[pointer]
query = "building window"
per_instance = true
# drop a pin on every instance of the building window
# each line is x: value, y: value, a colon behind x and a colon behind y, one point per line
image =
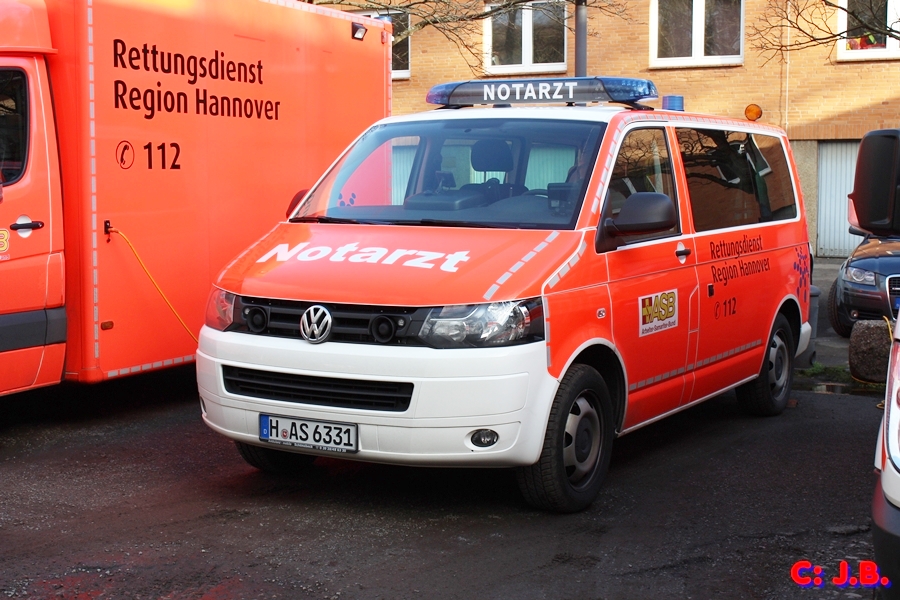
x: 531, y: 39
x: 400, y: 50
x: 859, y: 18
x: 696, y: 33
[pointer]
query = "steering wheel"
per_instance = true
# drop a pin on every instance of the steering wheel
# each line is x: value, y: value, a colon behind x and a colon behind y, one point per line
x: 537, y: 192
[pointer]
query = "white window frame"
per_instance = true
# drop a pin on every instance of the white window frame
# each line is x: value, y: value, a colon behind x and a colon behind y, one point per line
x: 527, y: 47
x: 697, y: 58
x: 404, y: 73
x: 890, y: 52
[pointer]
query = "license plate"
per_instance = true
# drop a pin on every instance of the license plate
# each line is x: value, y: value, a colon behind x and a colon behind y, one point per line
x: 307, y: 433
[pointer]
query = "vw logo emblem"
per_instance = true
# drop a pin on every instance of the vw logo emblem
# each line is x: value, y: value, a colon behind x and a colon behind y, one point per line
x: 315, y: 324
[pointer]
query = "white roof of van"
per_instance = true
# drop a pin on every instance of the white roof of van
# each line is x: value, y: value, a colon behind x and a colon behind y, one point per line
x: 601, y: 113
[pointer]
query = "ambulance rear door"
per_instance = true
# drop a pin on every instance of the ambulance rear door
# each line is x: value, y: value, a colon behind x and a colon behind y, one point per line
x: 32, y: 312
x: 745, y: 218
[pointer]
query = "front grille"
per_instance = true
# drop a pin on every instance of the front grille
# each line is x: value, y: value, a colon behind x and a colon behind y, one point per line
x: 893, y: 285
x: 321, y: 391
x: 351, y: 323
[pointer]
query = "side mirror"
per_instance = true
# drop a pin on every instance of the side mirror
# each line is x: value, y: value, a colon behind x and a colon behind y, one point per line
x: 295, y: 201
x: 643, y: 212
x: 875, y: 194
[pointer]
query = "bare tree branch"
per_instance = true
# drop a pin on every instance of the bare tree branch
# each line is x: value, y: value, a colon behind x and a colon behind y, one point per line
x: 791, y: 25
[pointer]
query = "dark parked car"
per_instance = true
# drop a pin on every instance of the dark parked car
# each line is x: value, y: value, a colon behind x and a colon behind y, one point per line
x: 868, y: 285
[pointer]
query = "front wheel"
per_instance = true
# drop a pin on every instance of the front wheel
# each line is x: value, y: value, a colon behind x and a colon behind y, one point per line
x: 577, y: 445
x: 834, y: 315
x: 767, y: 395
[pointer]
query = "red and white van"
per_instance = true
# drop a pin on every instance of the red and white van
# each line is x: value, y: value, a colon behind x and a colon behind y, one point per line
x: 515, y: 286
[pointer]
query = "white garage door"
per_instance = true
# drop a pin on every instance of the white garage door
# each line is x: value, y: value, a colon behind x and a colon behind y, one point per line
x: 837, y: 163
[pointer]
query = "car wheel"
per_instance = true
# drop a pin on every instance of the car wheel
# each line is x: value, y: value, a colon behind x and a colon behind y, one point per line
x: 274, y: 461
x: 577, y: 445
x: 834, y: 316
x: 767, y: 395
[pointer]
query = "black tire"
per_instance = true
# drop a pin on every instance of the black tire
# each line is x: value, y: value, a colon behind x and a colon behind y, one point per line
x: 834, y: 316
x: 767, y: 395
x: 274, y: 461
x: 577, y: 446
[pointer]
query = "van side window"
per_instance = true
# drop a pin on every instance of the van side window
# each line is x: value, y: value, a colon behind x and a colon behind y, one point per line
x: 642, y: 165
x: 13, y: 124
x: 735, y: 178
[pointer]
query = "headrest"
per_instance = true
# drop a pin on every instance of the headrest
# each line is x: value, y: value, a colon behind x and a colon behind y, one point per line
x: 492, y: 155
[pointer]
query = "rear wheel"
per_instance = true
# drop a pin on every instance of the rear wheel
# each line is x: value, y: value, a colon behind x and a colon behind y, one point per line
x: 274, y: 461
x: 577, y: 445
x: 834, y: 316
x: 767, y: 395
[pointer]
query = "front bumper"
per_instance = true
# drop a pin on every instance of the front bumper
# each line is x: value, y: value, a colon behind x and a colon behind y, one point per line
x: 870, y: 302
x: 455, y: 392
x: 886, y: 536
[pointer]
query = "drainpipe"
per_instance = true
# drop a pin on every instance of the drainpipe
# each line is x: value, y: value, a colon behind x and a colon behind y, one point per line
x: 580, y: 38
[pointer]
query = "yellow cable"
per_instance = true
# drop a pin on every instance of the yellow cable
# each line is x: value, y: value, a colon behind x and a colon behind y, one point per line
x: 153, y: 281
x: 890, y: 329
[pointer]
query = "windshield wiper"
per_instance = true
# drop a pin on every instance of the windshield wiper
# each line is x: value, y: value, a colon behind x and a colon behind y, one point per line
x: 443, y: 223
x: 324, y: 219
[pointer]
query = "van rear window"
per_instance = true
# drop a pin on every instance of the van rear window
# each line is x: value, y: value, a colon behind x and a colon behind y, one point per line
x: 13, y: 125
x: 735, y: 178
x: 510, y: 173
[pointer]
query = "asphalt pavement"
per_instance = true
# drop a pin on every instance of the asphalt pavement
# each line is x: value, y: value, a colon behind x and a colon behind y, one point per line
x: 831, y: 349
x: 120, y: 491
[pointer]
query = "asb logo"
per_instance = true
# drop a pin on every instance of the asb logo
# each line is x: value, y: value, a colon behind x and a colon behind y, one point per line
x: 659, y: 312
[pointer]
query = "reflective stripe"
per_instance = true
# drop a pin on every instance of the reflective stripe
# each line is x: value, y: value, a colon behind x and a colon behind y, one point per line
x: 692, y: 366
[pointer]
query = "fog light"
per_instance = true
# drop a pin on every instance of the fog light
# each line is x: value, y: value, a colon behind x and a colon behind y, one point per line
x: 256, y: 319
x: 484, y: 438
x: 854, y: 314
x: 383, y: 329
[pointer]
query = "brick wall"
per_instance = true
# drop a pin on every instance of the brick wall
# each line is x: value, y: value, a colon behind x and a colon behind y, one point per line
x: 813, y: 96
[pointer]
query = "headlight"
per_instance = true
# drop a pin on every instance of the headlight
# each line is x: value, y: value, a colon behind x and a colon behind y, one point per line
x: 484, y: 325
x: 860, y: 276
x: 220, y: 309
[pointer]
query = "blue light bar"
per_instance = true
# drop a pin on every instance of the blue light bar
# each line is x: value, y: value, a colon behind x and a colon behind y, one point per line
x: 554, y: 90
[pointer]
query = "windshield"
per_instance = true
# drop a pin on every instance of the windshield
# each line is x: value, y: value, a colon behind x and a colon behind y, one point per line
x: 510, y: 173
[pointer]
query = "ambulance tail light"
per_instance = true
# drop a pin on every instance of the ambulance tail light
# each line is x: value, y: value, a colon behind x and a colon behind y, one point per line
x: 484, y: 325
x: 892, y: 407
x: 220, y: 310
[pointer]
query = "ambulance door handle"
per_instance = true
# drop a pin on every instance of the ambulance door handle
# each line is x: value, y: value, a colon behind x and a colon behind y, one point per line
x: 682, y: 252
x: 31, y: 225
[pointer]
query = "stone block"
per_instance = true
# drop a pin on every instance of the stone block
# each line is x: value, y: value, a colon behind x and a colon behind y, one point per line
x: 870, y: 349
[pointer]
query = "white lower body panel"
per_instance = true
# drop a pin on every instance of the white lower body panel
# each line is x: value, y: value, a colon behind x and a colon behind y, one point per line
x: 803, y: 342
x: 455, y: 392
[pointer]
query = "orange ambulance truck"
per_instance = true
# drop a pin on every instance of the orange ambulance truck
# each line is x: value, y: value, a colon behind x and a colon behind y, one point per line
x: 515, y: 286
x: 181, y: 129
